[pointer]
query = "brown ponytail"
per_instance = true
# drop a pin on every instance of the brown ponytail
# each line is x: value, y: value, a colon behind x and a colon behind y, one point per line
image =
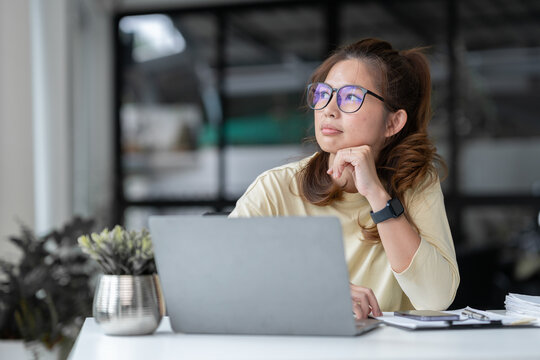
x: 407, y: 158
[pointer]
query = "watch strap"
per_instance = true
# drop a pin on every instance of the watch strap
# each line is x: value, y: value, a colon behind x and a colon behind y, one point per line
x: 393, y: 209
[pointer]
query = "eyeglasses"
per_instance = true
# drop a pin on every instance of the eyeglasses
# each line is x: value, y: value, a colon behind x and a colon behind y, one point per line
x: 349, y: 97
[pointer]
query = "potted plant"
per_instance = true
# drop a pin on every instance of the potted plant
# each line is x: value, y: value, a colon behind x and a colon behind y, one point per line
x: 46, y: 295
x: 128, y: 298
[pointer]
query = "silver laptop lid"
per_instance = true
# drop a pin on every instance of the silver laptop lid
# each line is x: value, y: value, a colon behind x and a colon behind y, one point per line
x: 281, y: 275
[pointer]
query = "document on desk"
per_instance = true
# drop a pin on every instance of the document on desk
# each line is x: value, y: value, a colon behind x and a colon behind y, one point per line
x: 523, y: 305
x: 481, y: 319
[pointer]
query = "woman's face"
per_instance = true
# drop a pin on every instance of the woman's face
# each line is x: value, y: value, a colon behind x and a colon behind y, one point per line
x: 334, y: 129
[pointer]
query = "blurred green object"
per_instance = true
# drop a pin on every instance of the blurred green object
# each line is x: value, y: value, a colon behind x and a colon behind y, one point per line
x: 47, y: 295
x: 263, y: 129
x: 121, y: 252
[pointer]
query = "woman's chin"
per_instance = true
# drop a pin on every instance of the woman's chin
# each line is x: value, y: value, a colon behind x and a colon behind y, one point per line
x: 332, y: 148
x: 328, y: 149
x: 327, y: 146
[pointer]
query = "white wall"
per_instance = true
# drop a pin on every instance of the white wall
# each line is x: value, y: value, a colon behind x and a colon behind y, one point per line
x: 16, y: 150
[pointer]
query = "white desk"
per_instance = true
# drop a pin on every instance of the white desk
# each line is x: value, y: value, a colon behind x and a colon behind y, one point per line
x: 383, y: 343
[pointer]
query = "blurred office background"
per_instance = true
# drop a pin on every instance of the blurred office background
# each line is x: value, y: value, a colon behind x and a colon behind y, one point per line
x: 120, y: 109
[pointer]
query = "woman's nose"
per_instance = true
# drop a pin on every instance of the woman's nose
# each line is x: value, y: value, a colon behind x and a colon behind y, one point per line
x: 332, y: 109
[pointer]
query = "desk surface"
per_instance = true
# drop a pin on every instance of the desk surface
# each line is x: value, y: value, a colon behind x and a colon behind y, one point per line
x: 383, y: 343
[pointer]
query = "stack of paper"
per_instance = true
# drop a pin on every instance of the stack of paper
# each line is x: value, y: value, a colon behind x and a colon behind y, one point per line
x: 523, y: 305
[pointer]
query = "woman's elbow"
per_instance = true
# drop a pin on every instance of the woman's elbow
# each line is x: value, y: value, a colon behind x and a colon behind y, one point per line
x: 439, y: 299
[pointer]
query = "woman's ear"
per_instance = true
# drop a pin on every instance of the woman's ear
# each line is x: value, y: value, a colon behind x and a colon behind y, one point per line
x: 396, y: 122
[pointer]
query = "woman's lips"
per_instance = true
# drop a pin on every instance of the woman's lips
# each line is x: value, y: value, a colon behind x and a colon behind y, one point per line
x: 327, y: 130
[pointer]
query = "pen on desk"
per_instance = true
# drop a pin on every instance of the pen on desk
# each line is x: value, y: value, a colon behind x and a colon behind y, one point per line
x: 474, y: 315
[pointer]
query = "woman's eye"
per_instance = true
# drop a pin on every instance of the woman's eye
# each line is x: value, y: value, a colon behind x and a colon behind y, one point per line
x: 323, y: 95
x: 352, y: 97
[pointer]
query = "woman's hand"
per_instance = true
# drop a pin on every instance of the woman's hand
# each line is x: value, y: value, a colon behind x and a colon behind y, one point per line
x: 361, y: 162
x: 364, y: 302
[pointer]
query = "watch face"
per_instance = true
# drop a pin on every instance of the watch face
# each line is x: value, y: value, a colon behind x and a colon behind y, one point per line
x: 396, y: 207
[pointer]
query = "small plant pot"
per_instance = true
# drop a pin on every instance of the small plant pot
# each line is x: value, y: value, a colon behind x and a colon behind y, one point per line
x: 128, y: 305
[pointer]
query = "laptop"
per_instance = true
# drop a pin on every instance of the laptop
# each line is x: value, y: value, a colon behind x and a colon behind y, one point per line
x: 258, y: 276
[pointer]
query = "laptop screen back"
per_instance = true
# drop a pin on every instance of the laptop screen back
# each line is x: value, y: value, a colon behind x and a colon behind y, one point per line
x: 281, y: 275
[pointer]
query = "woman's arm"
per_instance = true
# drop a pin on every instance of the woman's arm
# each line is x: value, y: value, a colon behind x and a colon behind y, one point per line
x: 424, y: 264
x: 399, y: 239
x: 432, y: 278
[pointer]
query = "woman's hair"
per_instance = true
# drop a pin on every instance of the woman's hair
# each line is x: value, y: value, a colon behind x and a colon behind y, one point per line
x: 407, y: 159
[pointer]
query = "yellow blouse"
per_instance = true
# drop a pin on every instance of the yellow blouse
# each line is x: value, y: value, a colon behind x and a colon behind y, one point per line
x: 432, y: 278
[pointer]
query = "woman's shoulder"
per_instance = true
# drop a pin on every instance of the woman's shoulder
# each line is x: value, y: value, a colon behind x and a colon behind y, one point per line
x: 268, y: 192
x: 286, y: 171
x: 280, y: 176
x: 427, y: 189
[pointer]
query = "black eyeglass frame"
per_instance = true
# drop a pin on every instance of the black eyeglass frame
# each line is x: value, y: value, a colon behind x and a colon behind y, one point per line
x: 336, y: 90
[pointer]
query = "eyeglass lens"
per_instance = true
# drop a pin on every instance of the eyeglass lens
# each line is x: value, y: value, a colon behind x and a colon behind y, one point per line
x: 349, y: 98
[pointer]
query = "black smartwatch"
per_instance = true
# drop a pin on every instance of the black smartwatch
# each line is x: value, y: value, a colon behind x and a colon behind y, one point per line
x: 392, y: 210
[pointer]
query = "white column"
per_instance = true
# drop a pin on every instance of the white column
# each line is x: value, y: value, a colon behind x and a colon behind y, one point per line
x: 51, y: 113
x: 16, y: 150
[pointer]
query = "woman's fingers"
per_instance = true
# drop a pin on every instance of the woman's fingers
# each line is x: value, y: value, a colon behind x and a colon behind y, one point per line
x: 359, y: 161
x: 365, y: 299
x: 345, y: 158
x: 362, y: 305
x: 375, y: 309
x: 359, y: 313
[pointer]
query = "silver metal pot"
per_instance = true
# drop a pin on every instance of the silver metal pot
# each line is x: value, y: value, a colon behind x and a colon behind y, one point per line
x: 128, y: 305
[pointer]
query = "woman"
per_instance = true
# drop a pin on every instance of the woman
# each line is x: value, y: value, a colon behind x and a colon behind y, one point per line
x: 376, y: 171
